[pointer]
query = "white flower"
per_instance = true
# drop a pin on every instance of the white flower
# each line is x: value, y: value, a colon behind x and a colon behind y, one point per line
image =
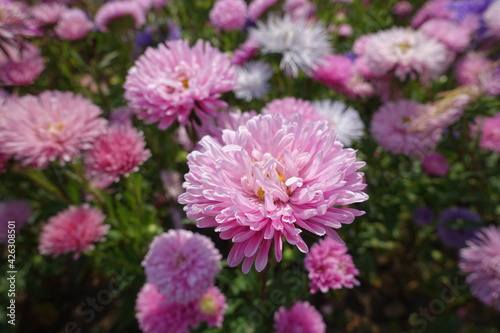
x: 344, y: 120
x: 302, y: 43
x: 253, y: 80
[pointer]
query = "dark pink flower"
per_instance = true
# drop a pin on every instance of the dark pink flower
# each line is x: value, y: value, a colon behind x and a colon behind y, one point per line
x: 301, y: 318
x: 435, y: 164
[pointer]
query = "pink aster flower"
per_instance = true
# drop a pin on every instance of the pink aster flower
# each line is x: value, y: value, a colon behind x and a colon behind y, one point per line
x: 14, y: 210
x: 229, y: 14
x: 258, y: 7
x: 335, y: 71
x: 75, y: 229
x: 182, y: 264
x: 156, y: 314
x: 359, y: 46
x: 402, y: 8
x: 52, y: 126
x: 489, y: 128
x: 471, y: 68
x: 16, y: 20
x: 432, y: 9
x: 171, y: 81
x: 120, y: 15
x: 455, y: 36
x: 291, y: 106
x: 48, y: 13
x: 301, y: 318
x: 212, y: 307
x: 73, y: 25
x: 300, y: 9
x: 118, y: 152
x: 480, y: 260
x: 407, y: 53
x: 20, y: 64
x: 491, y: 21
x: 390, y: 127
x: 344, y: 30
x: 272, y: 178
x: 246, y: 51
x: 224, y: 120
x: 330, y: 266
x: 435, y: 164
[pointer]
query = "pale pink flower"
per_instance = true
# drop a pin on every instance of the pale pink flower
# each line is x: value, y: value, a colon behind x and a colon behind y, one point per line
x: 471, y: 67
x: 182, y: 264
x: 300, y: 9
x: 289, y: 107
x: 17, y: 211
x: 435, y: 164
x: 229, y: 14
x: 73, y: 25
x: 344, y: 30
x: 170, y: 82
x: 402, y: 8
x: 359, y: 46
x: 225, y: 120
x: 212, y: 307
x: 432, y: 9
x: 257, y: 7
x: 52, y: 126
x: 120, y: 14
x: 272, y: 178
x: 20, y: 64
x: 330, y: 266
x: 453, y: 35
x: 491, y: 19
x: 301, y: 318
x: 48, y: 13
x: 75, y: 229
x: 489, y: 132
x: 16, y: 21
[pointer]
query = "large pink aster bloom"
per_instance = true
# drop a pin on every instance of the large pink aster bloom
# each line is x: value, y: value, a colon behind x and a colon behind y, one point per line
x: 53, y: 126
x: 118, y: 152
x: 171, y: 81
x: 390, y: 126
x: 229, y: 14
x: 156, y: 314
x: 272, y: 178
x: 20, y: 64
x: 301, y: 318
x: 291, y: 106
x: 489, y: 128
x: 406, y: 52
x: 182, y: 264
x: 330, y: 266
x: 73, y: 25
x: 14, y: 210
x: 123, y: 14
x: 212, y: 307
x: 75, y: 229
x: 480, y: 260
x: 455, y: 36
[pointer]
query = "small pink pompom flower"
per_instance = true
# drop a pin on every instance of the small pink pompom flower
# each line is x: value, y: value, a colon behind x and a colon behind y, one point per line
x: 169, y: 82
x: 14, y: 210
x: 301, y: 318
x: 20, y: 64
x: 156, y: 314
x: 330, y: 266
x: 435, y: 164
x: 75, y: 229
x: 480, y: 260
x: 229, y: 14
x: 291, y: 106
x: 120, y: 13
x: 455, y: 36
x: 212, y: 307
x: 489, y: 128
x: 118, y: 152
x: 271, y: 179
x: 53, y: 126
x: 73, y: 25
x: 471, y: 68
x: 182, y: 264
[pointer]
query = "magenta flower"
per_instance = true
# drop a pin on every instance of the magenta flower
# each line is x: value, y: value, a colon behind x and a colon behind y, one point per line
x: 118, y: 152
x: 402, y: 8
x: 156, y: 314
x: 182, y: 264
x: 301, y: 318
x: 335, y: 71
x: 272, y: 178
x: 169, y: 82
x: 16, y: 20
x: 75, y: 229
x: 330, y: 266
x: 291, y: 106
x: 489, y: 128
x: 14, y: 210
x: 20, y: 64
x: 480, y: 260
x: 212, y: 307
x: 229, y: 14
x: 246, y: 51
x: 52, y: 126
x: 120, y: 14
x: 73, y: 25
x: 390, y: 126
x: 435, y: 164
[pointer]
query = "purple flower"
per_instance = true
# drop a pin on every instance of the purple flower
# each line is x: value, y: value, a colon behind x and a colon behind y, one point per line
x: 423, y: 216
x: 453, y: 235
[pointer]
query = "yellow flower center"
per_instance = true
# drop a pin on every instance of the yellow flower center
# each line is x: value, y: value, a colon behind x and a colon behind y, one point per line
x: 207, y: 305
x: 404, y: 46
x: 55, y: 128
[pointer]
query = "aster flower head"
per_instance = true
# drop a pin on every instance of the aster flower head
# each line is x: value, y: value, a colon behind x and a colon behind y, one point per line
x: 118, y: 152
x: 390, y: 126
x: 402, y: 8
x: 450, y: 229
x: 455, y: 36
x: 435, y: 164
x: 300, y: 9
x: 16, y: 20
x: 212, y: 307
x: 330, y: 266
x: 432, y: 9
x: 20, y: 64
x: 246, y: 51
x: 156, y: 314
x: 53, y: 126
x: 120, y: 15
x: 491, y: 21
x: 182, y: 265
x: 301, y: 43
x: 289, y: 107
x: 75, y: 229
x: 406, y: 52
x: 472, y: 67
x: 272, y: 178
x: 73, y: 24
x: 335, y: 71
x: 253, y: 80
x: 231, y: 119
x: 489, y: 130
x: 18, y: 211
x: 169, y: 82
x: 302, y: 317
x: 480, y: 260
x: 344, y: 120
x: 257, y: 7
x: 229, y: 14
x: 48, y: 13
